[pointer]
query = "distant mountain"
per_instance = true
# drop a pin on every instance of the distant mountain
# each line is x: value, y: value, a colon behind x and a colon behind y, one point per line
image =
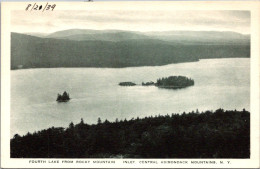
x: 101, y: 36
x: 189, y: 37
x: 41, y: 35
x: 113, y: 49
x: 70, y: 32
x: 212, y: 37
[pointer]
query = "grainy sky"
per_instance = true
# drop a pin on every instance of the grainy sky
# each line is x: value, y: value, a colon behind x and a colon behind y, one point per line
x: 133, y: 20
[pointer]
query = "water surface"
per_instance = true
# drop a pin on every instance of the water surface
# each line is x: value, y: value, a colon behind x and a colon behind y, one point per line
x: 219, y: 83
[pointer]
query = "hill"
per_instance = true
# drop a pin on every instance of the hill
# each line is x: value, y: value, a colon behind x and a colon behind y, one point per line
x: 171, y: 36
x: 190, y: 37
x: 70, y: 32
x: 201, y: 37
x: 127, y: 49
x: 106, y: 35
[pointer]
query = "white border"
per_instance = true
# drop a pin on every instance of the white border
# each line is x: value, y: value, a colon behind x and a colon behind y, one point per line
x: 252, y: 6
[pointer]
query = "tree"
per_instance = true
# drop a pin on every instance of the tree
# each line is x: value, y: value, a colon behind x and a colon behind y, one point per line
x: 81, y: 121
x: 71, y: 126
x: 99, y: 121
x: 16, y: 136
x: 106, y: 121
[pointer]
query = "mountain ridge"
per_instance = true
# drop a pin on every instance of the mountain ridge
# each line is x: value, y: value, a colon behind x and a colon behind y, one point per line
x: 180, y: 36
x: 28, y: 51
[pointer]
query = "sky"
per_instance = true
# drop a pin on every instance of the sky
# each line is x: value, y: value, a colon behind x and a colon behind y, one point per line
x: 132, y: 20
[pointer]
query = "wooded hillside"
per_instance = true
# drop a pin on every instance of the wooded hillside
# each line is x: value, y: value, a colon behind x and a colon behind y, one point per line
x: 218, y: 134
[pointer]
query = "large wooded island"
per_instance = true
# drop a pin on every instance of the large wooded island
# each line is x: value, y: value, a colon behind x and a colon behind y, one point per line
x: 174, y: 82
x: 171, y: 82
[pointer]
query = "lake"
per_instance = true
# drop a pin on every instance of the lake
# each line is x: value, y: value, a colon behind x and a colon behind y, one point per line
x: 219, y: 83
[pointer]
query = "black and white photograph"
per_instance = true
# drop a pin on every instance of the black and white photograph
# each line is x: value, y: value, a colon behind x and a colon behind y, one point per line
x: 125, y: 82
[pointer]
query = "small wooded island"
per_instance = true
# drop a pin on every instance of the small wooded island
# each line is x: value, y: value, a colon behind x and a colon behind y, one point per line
x: 127, y: 84
x: 63, y: 98
x: 171, y: 82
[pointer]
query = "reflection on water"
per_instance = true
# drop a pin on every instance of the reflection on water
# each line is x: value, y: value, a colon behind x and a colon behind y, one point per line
x: 95, y: 92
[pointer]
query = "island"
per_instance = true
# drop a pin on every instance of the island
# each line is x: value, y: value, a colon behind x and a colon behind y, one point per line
x: 127, y: 84
x: 63, y: 98
x: 171, y: 82
x: 174, y: 82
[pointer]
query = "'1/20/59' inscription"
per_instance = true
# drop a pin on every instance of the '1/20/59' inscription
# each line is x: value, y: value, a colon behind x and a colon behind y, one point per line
x: 37, y: 7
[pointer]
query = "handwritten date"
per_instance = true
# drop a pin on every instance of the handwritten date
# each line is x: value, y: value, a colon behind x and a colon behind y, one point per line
x: 39, y: 7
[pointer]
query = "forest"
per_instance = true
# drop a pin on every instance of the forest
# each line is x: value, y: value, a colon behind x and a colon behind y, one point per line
x: 174, y: 82
x: 209, y: 134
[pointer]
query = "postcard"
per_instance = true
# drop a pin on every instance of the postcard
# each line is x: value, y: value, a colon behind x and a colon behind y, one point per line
x: 130, y: 84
